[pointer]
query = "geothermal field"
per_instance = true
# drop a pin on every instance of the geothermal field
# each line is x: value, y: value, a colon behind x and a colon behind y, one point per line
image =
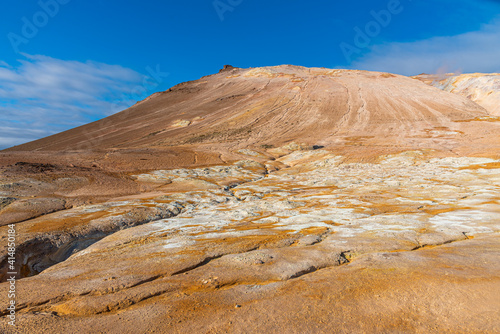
x: 277, y: 199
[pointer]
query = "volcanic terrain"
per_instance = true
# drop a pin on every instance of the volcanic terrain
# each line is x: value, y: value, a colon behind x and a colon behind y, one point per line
x: 265, y: 200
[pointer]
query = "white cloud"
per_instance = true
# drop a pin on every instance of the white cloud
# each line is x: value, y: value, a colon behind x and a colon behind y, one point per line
x: 42, y: 95
x: 477, y: 51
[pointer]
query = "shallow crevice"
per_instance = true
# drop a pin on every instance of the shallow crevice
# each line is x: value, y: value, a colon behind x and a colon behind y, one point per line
x: 197, y: 265
x: 39, y: 253
x: 422, y: 246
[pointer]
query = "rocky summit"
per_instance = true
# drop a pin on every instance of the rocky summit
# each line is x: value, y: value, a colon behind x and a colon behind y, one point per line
x: 265, y: 200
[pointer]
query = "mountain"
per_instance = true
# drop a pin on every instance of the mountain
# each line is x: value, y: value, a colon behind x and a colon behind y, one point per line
x: 273, y: 106
x: 484, y: 89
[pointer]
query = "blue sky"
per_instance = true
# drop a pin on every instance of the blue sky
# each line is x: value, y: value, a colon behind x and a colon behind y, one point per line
x: 64, y: 63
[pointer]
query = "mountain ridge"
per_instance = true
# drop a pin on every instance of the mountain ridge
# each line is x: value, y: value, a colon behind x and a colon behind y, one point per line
x: 238, y: 108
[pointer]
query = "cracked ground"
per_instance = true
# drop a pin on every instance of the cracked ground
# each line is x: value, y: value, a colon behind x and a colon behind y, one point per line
x: 405, y: 243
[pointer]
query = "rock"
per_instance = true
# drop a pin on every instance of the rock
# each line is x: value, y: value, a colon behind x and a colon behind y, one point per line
x: 24, y: 209
x: 4, y: 201
x: 227, y: 68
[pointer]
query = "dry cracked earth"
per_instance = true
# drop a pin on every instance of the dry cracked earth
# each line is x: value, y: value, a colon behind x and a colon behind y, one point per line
x: 236, y: 232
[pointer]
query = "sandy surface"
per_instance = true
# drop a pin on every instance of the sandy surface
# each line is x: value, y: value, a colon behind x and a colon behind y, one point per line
x: 276, y: 200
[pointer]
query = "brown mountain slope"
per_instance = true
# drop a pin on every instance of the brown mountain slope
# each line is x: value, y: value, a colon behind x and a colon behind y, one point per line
x: 273, y: 106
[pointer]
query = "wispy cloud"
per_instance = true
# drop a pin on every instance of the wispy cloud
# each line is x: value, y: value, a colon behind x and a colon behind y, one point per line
x: 477, y: 51
x: 40, y: 95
